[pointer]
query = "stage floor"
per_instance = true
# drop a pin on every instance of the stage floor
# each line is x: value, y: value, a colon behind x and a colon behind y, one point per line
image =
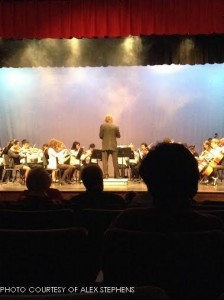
x: 10, y: 191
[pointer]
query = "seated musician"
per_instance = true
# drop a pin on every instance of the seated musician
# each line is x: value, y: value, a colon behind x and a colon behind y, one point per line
x: 133, y: 160
x: 76, y: 152
x: 26, y: 150
x: 218, y: 155
x: 75, y: 158
x: 206, y: 148
x: 204, y: 159
x: 25, y: 144
x: 86, y: 157
x: 57, y: 159
x: 143, y: 151
x: 45, y: 155
x: 7, y: 147
x: 16, y: 155
x: 213, y: 156
x: 33, y: 155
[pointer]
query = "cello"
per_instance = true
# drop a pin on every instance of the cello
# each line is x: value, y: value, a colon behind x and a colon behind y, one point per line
x: 205, y: 157
x: 216, y: 156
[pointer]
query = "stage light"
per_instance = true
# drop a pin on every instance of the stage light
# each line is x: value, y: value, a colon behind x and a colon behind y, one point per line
x: 129, y: 43
x: 131, y: 50
x: 75, y: 46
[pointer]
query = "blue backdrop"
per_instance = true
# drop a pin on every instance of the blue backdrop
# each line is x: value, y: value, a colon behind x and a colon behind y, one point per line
x: 149, y: 103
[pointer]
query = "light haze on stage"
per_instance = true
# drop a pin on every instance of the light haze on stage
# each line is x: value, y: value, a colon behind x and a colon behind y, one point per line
x: 149, y: 103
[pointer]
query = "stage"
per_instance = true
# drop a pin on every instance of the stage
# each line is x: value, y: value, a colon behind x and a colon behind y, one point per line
x: 10, y: 191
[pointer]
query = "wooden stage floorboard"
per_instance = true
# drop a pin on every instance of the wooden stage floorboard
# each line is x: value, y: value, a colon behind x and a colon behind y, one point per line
x: 10, y: 191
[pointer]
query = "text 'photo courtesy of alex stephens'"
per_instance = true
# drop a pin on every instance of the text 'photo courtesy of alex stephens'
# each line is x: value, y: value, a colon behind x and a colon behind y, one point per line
x: 4, y: 290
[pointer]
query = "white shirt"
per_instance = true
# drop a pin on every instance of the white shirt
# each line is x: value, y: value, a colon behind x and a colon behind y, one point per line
x: 52, y: 160
x: 73, y: 160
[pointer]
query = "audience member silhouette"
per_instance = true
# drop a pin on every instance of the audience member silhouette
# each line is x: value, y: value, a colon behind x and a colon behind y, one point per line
x: 95, y: 196
x: 171, y: 174
x: 39, y: 193
x: 139, y: 199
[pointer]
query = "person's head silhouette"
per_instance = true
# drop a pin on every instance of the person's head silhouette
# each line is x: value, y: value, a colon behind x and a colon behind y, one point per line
x: 171, y: 174
x: 92, y: 177
x: 38, y: 180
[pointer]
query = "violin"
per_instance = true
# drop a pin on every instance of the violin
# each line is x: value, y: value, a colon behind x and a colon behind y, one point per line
x: 29, y: 151
x: 16, y: 149
x: 64, y: 156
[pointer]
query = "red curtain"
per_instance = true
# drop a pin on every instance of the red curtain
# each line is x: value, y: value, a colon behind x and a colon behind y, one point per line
x: 112, y: 18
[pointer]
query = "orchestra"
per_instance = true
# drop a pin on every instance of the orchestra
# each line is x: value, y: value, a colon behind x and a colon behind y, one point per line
x: 55, y: 156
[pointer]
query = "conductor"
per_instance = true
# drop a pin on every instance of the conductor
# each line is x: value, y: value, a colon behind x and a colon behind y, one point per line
x: 109, y: 133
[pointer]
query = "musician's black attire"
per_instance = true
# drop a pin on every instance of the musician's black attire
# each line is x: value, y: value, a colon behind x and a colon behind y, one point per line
x: 109, y: 134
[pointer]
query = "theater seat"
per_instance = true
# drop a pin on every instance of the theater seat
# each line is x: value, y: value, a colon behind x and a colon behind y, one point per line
x: 58, y: 257
x: 97, y: 221
x: 36, y: 219
x: 186, y: 265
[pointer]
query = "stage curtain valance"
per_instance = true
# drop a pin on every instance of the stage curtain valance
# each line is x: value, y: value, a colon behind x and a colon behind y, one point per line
x: 109, y: 18
x: 130, y: 51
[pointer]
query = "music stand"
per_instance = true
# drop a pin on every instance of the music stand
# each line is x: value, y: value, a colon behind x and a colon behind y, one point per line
x: 96, y: 154
x: 123, y: 152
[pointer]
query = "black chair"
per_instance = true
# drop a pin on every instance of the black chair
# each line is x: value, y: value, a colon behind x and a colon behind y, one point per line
x: 9, y: 169
x: 36, y: 219
x: 58, y: 257
x: 96, y: 222
x: 98, y: 219
x: 216, y: 212
x: 186, y: 265
x: 209, y: 203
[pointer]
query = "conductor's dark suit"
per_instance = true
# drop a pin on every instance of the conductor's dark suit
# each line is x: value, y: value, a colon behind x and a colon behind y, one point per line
x: 109, y: 134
